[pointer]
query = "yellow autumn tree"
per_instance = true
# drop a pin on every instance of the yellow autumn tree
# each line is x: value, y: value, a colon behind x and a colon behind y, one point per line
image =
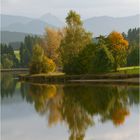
x: 118, y: 46
x: 52, y: 40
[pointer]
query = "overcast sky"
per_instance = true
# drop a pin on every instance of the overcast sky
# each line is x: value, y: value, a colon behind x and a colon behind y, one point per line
x: 86, y: 8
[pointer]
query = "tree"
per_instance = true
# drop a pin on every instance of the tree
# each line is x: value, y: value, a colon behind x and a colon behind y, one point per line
x: 133, y: 36
x: 96, y: 58
x: 6, y: 61
x: 26, y: 49
x: 118, y: 46
x: 8, y: 57
x: 40, y: 63
x: 103, y: 61
x: 75, y: 39
x: 52, y: 40
x: 133, y: 57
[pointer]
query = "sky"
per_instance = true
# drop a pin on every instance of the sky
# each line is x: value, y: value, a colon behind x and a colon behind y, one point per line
x: 59, y: 8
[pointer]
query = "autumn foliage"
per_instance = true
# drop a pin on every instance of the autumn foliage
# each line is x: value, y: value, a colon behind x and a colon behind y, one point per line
x: 73, y: 49
x: 51, y: 42
x: 119, y: 116
x: 117, y: 41
x: 118, y: 46
x: 40, y: 63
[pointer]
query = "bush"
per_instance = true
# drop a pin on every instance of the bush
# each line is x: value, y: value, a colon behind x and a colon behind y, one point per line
x: 48, y: 65
x: 103, y: 61
x: 92, y: 59
x: 74, y: 66
x: 41, y: 63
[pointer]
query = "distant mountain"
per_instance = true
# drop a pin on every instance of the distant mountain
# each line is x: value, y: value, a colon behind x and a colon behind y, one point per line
x: 97, y: 25
x: 104, y: 24
x: 53, y: 20
x: 29, y: 25
x: 34, y: 26
x: 12, y: 37
x: 7, y: 20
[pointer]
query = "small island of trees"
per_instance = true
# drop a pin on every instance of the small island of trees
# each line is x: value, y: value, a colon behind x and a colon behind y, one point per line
x: 73, y: 50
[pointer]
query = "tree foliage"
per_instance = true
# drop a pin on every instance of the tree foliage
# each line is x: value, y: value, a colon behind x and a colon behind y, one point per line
x: 8, y: 57
x: 133, y: 36
x: 75, y: 39
x: 133, y: 57
x: 26, y: 49
x: 40, y: 63
x: 118, y: 46
x: 52, y: 39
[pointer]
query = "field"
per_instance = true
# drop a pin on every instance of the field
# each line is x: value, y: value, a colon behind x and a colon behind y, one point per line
x: 129, y: 70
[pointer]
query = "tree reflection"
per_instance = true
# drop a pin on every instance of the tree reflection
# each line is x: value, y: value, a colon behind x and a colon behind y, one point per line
x: 78, y: 105
x: 8, y: 84
x: 75, y: 105
x: 47, y: 99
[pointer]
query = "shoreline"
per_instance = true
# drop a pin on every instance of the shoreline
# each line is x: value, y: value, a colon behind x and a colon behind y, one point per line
x: 86, y: 78
x: 14, y: 70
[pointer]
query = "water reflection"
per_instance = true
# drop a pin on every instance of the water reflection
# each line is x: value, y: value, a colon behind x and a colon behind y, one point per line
x: 77, y: 105
x: 8, y: 85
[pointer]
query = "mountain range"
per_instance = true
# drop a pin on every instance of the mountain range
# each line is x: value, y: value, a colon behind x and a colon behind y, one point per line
x: 102, y: 25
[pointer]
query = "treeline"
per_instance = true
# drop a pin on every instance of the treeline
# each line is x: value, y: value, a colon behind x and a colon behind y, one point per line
x: 26, y: 49
x: 133, y: 37
x: 8, y: 57
x: 73, y: 50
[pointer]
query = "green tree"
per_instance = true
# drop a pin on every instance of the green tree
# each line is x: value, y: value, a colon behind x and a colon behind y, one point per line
x: 26, y: 49
x: 133, y: 57
x: 8, y: 57
x: 103, y: 61
x: 132, y: 37
x: 6, y: 61
x: 75, y: 38
x: 96, y: 58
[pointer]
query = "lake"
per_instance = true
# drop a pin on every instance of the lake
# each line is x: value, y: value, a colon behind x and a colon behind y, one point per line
x: 68, y: 112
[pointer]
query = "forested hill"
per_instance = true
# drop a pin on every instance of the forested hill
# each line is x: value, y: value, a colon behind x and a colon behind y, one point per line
x: 7, y: 37
x: 13, y: 37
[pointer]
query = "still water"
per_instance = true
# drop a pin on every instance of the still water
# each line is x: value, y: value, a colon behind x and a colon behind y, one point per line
x: 68, y: 112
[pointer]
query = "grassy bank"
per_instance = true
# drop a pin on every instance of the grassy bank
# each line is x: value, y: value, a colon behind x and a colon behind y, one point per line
x: 129, y: 70
x: 123, y: 74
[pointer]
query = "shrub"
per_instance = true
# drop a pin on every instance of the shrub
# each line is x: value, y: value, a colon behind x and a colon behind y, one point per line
x: 40, y: 63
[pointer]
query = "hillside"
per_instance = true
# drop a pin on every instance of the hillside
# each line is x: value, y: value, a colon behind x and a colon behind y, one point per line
x: 7, y: 37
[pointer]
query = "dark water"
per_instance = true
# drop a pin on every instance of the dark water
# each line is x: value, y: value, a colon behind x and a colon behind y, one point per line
x: 68, y: 112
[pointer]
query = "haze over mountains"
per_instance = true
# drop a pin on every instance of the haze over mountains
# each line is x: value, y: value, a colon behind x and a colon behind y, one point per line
x: 97, y: 25
x: 104, y: 24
